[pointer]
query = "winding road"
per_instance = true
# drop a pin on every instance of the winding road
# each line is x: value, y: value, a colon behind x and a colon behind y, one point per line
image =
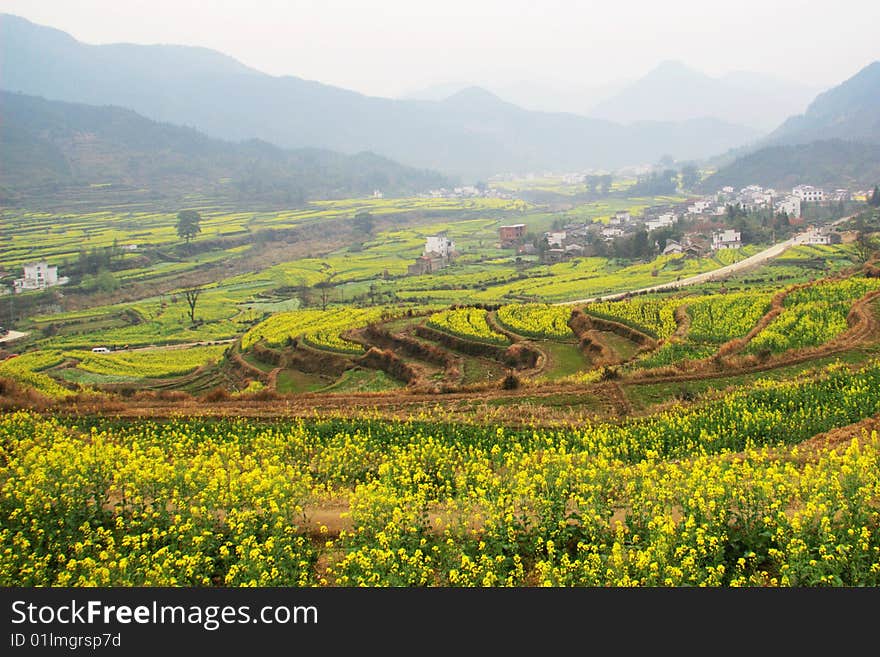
x: 723, y: 272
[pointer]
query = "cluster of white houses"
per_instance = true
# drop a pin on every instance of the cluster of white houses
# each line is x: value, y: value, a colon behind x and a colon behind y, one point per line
x: 467, y: 191
x: 709, y: 208
x: 754, y: 197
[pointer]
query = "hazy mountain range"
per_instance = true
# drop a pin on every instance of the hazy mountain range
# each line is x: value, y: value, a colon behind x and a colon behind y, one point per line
x: 675, y: 92
x: 51, y: 146
x: 535, y: 95
x: 671, y: 91
x: 470, y: 133
x: 473, y: 133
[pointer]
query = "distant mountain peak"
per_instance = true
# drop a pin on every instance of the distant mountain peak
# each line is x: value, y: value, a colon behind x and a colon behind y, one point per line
x: 475, y: 96
x: 674, y: 67
x: 673, y: 91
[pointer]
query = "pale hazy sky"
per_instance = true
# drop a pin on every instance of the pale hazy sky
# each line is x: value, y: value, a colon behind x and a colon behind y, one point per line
x: 391, y: 47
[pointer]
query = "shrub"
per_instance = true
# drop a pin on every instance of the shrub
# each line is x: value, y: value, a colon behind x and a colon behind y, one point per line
x: 510, y: 382
x: 218, y: 394
x: 609, y: 373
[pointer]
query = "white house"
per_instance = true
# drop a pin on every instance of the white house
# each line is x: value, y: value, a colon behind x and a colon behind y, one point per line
x: 610, y: 233
x: 820, y: 236
x: 38, y: 276
x: 699, y: 207
x: 663, y: 221
x: 790, y: 206
x: 439, y: 244
x: 808, y: 193
x: 556, y: 238
x: 726, y: 239
x: 620, y: 218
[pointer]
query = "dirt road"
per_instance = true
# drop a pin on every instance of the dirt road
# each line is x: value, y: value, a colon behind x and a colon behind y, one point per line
x: 705, y: 277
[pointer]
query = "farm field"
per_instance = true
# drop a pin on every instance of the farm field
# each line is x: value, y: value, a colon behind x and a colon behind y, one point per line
x: 58, y: 236
x: 331, y: 420
x: 723, y: 494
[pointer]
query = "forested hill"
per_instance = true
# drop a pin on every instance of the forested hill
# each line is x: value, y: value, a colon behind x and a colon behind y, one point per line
x: 833, y: 163
x: 851, y: 110
x: 50, y: 146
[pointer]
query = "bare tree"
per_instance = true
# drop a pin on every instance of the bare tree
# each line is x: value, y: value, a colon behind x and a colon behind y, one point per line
x: 192, y: 296
x: 324, y: 288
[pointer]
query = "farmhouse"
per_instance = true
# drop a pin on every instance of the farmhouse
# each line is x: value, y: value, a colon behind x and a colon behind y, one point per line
x: 790, y: 206
x: 38, y: 276
x: 556, y: 239
x: 510, y: 235
x: 821, y: 236
x: 426, y: 264
x: 611, y: 233
x: 808, y: 193
x: 702, y: 206
x: 726, y: 239
x: 555, y: 255
x: 663, y: 221
x: 673, y: 247
x: 439, y: 244
x: 439, y: 252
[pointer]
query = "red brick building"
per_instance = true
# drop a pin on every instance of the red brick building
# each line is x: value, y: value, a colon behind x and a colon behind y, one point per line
x: 511, y: 235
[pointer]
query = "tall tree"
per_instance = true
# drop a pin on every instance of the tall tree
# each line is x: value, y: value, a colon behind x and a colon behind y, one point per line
x: 874, y: 198
x: 363, y: 221
x: 188, y: 224
x: 864, y: 244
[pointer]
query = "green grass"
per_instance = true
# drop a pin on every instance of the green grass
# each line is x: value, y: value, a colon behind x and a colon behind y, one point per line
x: 293, y: 381
x: 90, y: 378
x: 481, y: 370
x: 561, y: 401
x: 260, y: 365
x: 360, y: 380
x: 564, y: 358
x: 624, y: 348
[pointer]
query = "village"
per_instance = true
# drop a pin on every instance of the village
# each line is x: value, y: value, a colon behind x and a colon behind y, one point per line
x: 694, y: 228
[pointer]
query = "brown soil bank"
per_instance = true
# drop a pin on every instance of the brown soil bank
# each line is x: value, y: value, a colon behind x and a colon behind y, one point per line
x: 519, y: 355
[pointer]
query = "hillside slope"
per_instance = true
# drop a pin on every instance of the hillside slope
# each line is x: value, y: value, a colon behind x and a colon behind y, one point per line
x: 831, y: 164
x: 49, y: 145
